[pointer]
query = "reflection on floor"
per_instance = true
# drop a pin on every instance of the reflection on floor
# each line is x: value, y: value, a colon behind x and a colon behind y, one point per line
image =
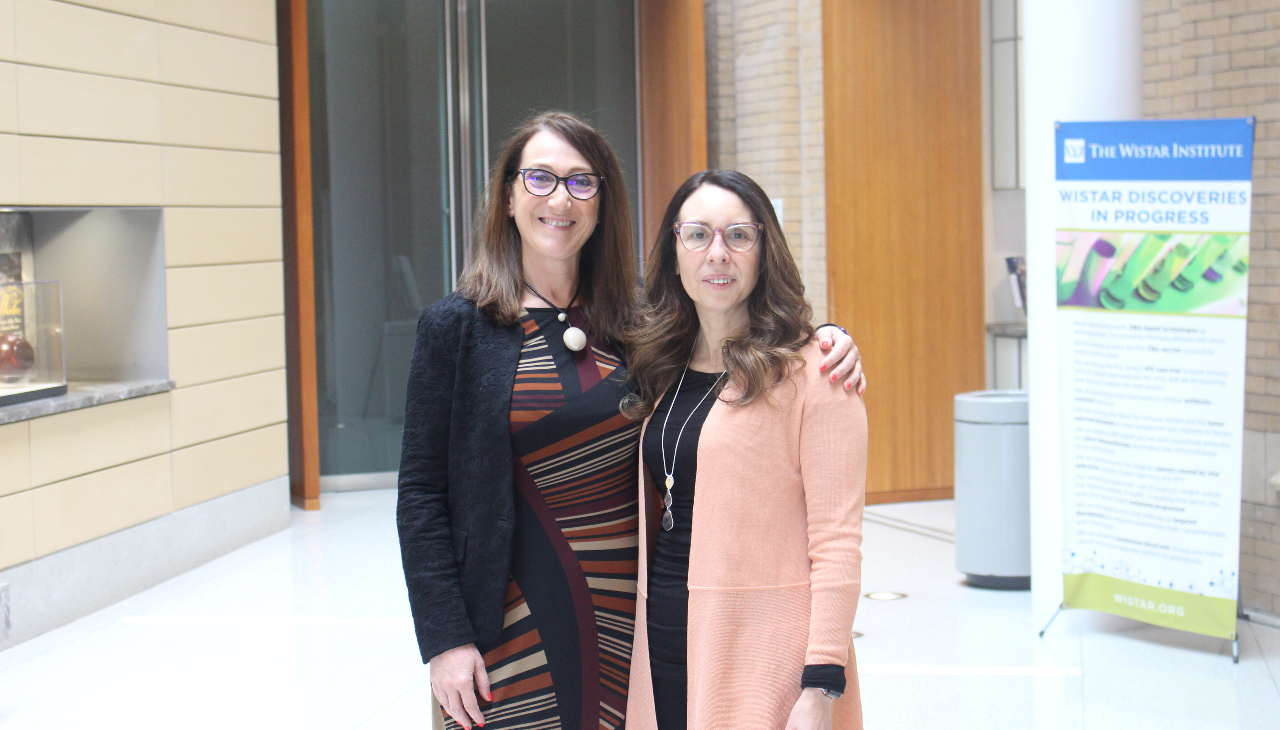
x: 310, y: 629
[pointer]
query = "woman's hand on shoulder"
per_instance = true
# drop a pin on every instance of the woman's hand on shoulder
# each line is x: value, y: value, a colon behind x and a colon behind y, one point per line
x: 811, y: 712
x: 455, y: 676
x: 843, y: 362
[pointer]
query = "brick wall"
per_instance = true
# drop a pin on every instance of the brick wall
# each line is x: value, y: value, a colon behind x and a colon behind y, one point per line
x: 1221, y: 58
x: 764, y: 115
x: 722, y: 139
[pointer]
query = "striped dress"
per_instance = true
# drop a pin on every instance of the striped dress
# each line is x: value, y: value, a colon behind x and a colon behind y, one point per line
x: 565, y: 652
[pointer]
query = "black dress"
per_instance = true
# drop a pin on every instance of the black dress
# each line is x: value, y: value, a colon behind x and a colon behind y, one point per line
x: 564, y: 656
x: 668, y: 605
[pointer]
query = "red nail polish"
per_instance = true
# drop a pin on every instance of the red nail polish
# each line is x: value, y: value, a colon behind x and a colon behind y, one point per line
x: 847, y: 386
x: 822, y: 368
x: 833, y: 377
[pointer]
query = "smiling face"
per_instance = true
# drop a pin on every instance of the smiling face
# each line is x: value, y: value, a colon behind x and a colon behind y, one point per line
x: 717, y: 278
x: 552, y: 227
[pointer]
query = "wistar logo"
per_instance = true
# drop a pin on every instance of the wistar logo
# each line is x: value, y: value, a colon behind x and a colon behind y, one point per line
x: 1073, y: 150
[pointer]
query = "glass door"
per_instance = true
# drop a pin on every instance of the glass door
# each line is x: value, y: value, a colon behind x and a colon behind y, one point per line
x: 411, y: 100
x: 572, y: 55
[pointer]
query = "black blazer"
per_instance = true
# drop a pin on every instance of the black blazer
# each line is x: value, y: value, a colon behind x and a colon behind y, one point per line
x: 456, y: 509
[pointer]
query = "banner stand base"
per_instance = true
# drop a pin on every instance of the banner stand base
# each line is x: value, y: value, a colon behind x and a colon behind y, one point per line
x: 1235, y: 642
x: 1051, y: 619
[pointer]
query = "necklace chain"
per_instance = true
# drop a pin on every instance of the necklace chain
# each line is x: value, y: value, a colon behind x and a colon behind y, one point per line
x: 574, y: 338
x: 675, y: 451
x: 548, y: 301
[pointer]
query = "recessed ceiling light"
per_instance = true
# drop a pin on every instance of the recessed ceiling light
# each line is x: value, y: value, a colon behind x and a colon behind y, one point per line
x: 885, y: 596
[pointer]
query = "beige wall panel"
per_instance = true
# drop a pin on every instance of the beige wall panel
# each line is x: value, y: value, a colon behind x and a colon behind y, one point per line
x: 9, y: 188
x: 17, y: 530
x: 197, y: 236
x: 88, y: 172
x: 81, y: 509
x: 15, y: 456
x: 78, y: 442
x: 220, y: 467
x: 8, y: 97
x: 208, y: 294
x: 207, y: 412
x: 68, y: 36
x: 215, y: 119
x: 218, y: 351
x: 7, y: 50
x: 254, y: 19
x: 220, y: 177
x: 211, y: 61
x: 73, y: 104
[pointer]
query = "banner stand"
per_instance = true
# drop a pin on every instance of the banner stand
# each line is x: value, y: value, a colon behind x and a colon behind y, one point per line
x: 1152, y: 248
x: 1052, y: 618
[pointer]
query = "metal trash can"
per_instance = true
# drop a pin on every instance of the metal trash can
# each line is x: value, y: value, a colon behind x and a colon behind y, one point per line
x: 993, y: 489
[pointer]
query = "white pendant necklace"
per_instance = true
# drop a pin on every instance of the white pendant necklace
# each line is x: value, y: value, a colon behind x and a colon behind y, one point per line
x: 574, y: 338
x: 668, y: 521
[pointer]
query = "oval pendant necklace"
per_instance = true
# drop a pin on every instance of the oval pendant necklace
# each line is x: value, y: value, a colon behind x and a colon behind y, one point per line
x: 668, y: 521
x: 574, y: 338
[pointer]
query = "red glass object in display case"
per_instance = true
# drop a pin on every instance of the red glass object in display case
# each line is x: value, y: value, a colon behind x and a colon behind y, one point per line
x: 16, y: 355
x: 31, y: 360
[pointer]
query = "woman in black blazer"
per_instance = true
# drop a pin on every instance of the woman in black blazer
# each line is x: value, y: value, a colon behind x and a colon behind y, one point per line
x: 517, y: 512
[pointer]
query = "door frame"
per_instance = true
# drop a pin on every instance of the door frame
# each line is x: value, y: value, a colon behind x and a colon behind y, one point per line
x: 299, y: 257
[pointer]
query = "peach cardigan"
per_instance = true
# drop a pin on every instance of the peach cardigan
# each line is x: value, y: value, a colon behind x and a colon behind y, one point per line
x: 775, y: 562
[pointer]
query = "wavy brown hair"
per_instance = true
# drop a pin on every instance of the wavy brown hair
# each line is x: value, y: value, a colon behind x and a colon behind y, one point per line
x: 660, y: 345
x: 494, y: 278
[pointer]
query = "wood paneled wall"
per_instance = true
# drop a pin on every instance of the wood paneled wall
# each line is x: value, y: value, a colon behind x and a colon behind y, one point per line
x: 673, y: 102
x: 903, y: 115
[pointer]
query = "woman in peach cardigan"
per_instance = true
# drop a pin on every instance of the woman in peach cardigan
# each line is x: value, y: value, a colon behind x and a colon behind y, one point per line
x: 746, y: 603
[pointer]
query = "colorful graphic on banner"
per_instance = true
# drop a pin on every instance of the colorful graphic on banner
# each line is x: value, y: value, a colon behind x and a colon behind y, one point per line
x: 1170, y: 273
x: 1152, y: 291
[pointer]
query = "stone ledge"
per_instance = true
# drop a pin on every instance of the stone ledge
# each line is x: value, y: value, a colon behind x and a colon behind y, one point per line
x: 83, y: 395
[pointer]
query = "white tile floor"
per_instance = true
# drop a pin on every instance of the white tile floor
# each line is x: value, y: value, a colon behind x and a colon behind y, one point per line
x: 310, y: 629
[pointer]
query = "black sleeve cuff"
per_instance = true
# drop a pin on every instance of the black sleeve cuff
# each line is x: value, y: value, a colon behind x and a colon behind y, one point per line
x: 823, y: 676
x: 434, y: 640
x: 831, y: 324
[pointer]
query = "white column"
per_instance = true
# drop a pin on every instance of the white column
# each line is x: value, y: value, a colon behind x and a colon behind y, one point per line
x: 1083, y: 62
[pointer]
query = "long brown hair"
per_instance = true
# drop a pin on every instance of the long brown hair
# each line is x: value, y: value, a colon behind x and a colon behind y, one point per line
x: 494, y: 277
x: 662, y: 342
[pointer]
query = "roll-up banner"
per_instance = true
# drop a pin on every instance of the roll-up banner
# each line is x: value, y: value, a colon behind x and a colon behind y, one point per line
x: 1153, y: 291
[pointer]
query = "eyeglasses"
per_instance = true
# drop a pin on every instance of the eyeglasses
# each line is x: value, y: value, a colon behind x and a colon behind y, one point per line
x: 739, y: 236
x: 542, y: 183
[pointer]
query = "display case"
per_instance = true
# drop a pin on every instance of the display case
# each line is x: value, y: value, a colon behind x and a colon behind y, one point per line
x: 31, y: 359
